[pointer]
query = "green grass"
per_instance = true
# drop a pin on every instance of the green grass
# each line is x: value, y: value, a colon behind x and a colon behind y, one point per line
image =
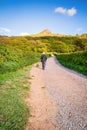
x: 75, y: 61
x: 14, y: 88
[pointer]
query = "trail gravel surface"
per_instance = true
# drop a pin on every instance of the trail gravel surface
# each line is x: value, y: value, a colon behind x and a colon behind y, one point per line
x: 58, y: 98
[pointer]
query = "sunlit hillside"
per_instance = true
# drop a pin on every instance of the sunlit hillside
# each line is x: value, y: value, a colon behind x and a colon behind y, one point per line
x: 16, y: 51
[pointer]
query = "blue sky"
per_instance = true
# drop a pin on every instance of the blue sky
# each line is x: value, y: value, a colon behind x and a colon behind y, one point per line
x: 20, y: 17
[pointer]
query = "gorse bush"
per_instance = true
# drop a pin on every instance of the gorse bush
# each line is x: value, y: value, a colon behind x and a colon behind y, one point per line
x: 13, y: 58
x: 76, y: 61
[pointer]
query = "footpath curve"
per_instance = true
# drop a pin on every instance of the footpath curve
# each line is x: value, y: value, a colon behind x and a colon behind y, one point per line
x: 58, y: 98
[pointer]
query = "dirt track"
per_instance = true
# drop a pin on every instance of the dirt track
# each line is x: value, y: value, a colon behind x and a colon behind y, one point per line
x: 58, y: 98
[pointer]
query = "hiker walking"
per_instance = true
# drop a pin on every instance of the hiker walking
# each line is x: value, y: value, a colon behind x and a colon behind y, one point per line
x: 43, y: 60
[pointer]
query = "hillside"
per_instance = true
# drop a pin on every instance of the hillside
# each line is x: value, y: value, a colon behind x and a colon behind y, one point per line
x: 16, y: 52
x: 45, y: 32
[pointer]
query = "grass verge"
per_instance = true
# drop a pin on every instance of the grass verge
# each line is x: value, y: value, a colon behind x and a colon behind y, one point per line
x: 14, y: 88
x: 75, y: 61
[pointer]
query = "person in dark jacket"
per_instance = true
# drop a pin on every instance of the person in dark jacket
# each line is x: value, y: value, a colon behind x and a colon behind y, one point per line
x: 43, y: 60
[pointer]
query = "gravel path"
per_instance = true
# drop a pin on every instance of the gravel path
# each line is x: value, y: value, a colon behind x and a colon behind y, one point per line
x: 58, y: 98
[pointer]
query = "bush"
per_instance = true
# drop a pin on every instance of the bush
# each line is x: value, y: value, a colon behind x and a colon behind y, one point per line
x: 14, y: 58
x: 76, y: 61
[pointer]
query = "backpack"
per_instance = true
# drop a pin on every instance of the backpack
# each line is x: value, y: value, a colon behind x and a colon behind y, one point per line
x: 43, y: 58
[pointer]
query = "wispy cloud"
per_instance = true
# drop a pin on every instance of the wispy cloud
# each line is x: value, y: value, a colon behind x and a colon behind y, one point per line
x: 79, y: 29
x: 24, y: 34
x: 5, y: 30
x: 70, y: 12
x: 60, y: 10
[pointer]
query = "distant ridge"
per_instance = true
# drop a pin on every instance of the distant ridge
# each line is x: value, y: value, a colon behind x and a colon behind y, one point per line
x: 45, y: 32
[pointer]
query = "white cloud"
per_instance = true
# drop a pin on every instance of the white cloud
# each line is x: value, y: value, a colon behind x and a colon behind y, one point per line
x: 69, y: 12
x: 60, y: 10
x: 5, y: 30
x: 24, y: 34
